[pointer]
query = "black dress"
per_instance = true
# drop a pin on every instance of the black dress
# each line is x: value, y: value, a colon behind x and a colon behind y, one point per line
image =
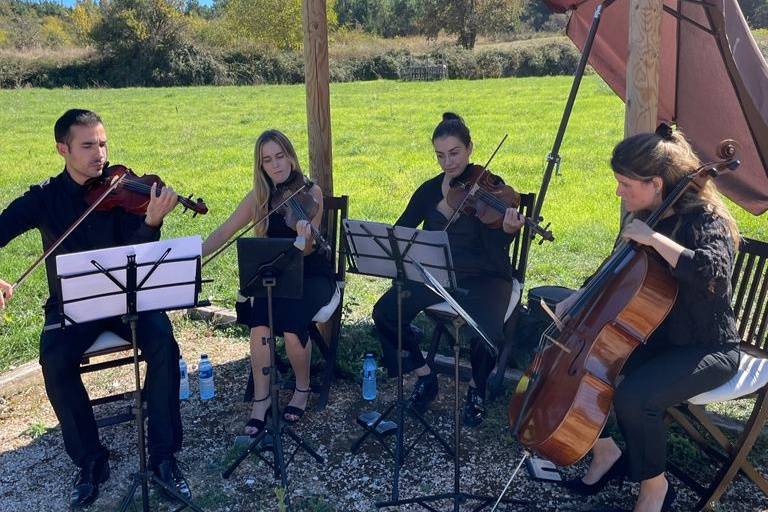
x: 291, y: 315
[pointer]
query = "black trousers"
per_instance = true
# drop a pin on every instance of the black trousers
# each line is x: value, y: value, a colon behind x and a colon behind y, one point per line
x: 60, y: 353
x: 484, y: 298
x: 655, y: 378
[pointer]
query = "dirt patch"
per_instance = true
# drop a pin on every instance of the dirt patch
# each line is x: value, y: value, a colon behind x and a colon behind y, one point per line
x: 37, y: 474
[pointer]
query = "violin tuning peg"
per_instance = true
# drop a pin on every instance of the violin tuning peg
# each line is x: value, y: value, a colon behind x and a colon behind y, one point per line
x: 194, y: 215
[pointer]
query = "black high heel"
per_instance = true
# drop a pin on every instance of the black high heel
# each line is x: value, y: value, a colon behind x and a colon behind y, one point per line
x: 255, y: 423
x: 293, y: 410
x: 616, y: 472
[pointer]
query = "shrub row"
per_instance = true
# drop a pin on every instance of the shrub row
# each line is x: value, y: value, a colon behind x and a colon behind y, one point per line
x: 244, y: 67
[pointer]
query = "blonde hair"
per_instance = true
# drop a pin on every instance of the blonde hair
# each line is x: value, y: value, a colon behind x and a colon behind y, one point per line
x: 262, y: 185
x: 647, y: 155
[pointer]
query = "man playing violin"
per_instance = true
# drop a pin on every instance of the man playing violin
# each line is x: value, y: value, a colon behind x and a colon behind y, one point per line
x: 52, y: 207
x: 481, y: 260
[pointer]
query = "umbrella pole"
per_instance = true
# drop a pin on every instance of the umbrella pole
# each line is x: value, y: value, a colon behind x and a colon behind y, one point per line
x: 553, y: 158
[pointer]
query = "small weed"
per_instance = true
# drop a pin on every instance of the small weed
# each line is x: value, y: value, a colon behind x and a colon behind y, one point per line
x: 36, y: 430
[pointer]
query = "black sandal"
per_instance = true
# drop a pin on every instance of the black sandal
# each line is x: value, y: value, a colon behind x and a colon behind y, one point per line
x: 295, y: 411
x: 255, y: 423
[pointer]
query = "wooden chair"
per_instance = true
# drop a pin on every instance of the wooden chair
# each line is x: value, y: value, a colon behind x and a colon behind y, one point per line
x: 443, y: 315
x: 750, y: 305
x: 326, y: 327
x: 106, y: 344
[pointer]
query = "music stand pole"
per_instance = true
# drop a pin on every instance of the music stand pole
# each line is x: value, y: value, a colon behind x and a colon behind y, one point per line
x: 267, y: 274
x: 144, y: 475
x: 400, y: 402
x: 457, y: 496
x: 397, y: 257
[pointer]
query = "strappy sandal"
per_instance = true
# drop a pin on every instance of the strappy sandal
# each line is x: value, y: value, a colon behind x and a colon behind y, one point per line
x: 293, y: 410
x: 254, y: 426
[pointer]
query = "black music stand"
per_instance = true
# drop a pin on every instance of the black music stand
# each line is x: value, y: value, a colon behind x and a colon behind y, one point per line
x: 272, y: 267
x: 382, y: 250
x: 457, y: 496
x: 127, y: 289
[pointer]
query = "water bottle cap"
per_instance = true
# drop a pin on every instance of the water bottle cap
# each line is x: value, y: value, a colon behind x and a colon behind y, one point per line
x: 203, y: 356
x: 369, y: 354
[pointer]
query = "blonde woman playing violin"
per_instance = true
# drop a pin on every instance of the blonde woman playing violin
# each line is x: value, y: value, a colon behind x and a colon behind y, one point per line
x: 275, y: 165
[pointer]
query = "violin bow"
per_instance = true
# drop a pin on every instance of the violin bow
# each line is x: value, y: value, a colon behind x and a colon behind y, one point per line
x: 250, y: 226
x: 485, y: 168
x: 112, y: 186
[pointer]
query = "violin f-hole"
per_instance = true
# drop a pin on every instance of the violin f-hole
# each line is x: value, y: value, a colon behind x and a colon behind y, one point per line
x: 572, y: 370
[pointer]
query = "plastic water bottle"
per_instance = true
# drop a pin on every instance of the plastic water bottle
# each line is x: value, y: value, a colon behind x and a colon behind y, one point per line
x: 205, y: 374
x: 184, y: 380
x: 369, y: 377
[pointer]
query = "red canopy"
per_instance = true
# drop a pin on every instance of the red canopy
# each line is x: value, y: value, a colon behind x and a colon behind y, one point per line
x: 713, y: 81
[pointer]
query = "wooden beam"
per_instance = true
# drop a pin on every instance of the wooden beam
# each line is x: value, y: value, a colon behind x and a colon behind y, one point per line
x: 643, y: 66
x: 317, y: 78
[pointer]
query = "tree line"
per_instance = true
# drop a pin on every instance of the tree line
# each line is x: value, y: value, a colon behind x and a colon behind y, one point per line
x: 110, y: 25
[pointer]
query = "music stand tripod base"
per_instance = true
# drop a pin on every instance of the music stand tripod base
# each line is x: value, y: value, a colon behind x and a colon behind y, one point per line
x: 271, y: 267
x: 457, y: 496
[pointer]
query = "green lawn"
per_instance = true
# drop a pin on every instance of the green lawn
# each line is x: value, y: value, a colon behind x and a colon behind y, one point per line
x: 200, y: 140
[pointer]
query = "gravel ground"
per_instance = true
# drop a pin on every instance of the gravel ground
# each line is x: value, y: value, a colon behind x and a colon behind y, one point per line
x: 37, y: 474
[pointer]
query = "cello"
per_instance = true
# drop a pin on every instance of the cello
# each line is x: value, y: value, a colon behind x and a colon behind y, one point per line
x: 563, y: 399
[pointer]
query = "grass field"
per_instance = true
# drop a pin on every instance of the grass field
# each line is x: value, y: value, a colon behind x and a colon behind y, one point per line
x: 200, y: 140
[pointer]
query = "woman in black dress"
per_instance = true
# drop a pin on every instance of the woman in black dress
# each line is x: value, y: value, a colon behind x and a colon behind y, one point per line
x: 276, y: 164
x: 481, y: 260
x: 695, y: 349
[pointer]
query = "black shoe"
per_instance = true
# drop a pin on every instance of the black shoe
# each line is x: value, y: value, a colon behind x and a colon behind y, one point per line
x: 86, y: 488
x: 474, y: 408
x: 170, y: 474
x: 669, y: 498
x: 424, y: 392
x: 616, y: 472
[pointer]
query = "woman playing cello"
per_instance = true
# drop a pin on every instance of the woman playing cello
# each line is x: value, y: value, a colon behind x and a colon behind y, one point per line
x: 276, y: 166
x: 695, y: 349
x: 481, y: 260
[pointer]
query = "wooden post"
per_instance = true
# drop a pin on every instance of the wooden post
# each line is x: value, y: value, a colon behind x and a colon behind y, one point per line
x: 317, y: 78
x: 643, y: 66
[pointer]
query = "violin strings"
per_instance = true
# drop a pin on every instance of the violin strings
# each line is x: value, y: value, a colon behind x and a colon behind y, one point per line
x: 501, y: 207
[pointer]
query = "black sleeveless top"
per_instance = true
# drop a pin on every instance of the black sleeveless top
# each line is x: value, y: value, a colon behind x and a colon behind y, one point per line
x: 315, y: 264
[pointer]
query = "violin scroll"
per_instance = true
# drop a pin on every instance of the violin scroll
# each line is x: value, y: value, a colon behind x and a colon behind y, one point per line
x: 727, y: 149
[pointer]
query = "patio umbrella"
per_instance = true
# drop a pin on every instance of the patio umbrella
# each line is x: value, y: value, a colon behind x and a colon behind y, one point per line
x: 713, y: 80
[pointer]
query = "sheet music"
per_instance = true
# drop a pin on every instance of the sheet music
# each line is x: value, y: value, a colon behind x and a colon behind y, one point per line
x: 114, y: 259
x: 369, y: 244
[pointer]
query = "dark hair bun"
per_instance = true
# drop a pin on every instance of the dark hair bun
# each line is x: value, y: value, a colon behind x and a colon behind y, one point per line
x: 450, y: 116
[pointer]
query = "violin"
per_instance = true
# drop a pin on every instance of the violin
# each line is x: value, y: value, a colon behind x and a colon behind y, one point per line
x: 132, y: 194
x: 294, y: 201
x: 482, y: 194
x: 117, y: 187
